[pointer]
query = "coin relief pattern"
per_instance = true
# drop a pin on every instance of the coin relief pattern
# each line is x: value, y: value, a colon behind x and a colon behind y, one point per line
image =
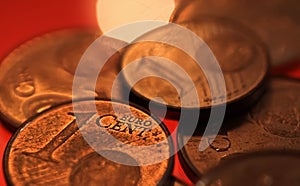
x: 57, y: 151
x: 271, y: 125
x: 240, y: 53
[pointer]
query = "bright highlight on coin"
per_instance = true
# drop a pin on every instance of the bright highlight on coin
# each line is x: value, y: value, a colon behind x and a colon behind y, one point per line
x: 115, y: 13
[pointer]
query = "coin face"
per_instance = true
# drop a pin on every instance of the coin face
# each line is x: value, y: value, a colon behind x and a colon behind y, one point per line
x: 273, y: 124
x: 260, y: 168
x: 276, y: 23
x: 39, y: 74
x: 240, y: 54
x: 54, y: 148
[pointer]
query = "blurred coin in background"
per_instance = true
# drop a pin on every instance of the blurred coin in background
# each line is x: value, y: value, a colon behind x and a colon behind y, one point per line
x: 259, y: 168
x: 239, y: 52
x: 276, y: 22
x: 273, y: 124
x: 39, y: 74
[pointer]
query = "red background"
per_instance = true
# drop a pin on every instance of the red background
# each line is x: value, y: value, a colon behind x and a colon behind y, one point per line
x: 22, y: 20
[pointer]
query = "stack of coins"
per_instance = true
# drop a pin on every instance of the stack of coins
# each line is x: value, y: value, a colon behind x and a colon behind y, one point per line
x: 240, y: 54
x: 271, y: 125
x: 262, y: 113
x: 112, y: 133
x: 51, y: 144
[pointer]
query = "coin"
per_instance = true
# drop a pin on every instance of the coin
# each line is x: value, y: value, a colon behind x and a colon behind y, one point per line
x: 53, y: 148
x: 276, y: 23
x: 273, y: 124
x: 39, y: 74
x: 260, y: 168
x: 241, y: 56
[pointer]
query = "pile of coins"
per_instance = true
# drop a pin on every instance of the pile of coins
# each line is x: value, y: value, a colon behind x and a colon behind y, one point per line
x: 49, y: 146
x: 112, y: 132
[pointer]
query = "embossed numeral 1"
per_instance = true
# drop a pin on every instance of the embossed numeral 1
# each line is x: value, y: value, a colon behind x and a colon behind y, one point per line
x: 71, y: 127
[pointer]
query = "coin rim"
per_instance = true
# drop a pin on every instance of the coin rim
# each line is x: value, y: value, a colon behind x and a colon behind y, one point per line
x: 166, y: 178
x: 188, y: 165
x: 208, y: 177
x: 208, y: 18
x: 8, y: 119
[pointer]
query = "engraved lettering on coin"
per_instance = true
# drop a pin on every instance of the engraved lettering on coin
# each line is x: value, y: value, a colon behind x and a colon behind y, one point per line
x: 127, y: 124
x: 50, y: 149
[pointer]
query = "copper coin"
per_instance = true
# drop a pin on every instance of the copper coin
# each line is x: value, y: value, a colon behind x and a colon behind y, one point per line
x: 273, y: 124
x: 240, y: 54
x: 52, y: 148
x: 39, y: 74
x: 277, y: 22
x: 260, y: 168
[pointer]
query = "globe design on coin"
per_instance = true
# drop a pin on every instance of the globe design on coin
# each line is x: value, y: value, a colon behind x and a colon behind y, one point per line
x: 241, y: 55
x: 51, y: 148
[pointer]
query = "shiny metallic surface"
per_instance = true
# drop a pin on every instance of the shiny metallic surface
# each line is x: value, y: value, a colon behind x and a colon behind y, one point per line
x: 240, y: 53
x: 276, y: 22
x: 50, y: 149
x: 273, y: 124
x: 259, y: 168
x: 39, y: 74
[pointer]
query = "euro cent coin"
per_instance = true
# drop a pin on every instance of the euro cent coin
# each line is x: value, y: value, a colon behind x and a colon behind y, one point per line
x: 272, y: 124
x: 241, y: 56
x: 39, y: 74
x: 258, y: 168
x: 61, y: 147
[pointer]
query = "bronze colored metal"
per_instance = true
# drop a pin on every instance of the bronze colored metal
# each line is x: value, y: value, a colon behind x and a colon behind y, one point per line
x: 241, y: 56
x: 259, y: 168
x: 276, y: 23
x: 39, y: 74
x: 51, y: 149
x: 273, y: 124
